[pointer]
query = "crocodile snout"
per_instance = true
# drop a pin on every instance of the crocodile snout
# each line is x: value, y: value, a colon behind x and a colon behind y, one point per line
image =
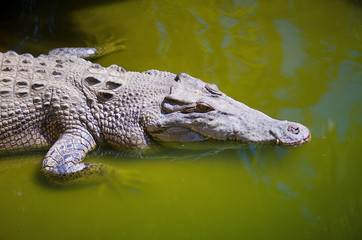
x: 291, y: 134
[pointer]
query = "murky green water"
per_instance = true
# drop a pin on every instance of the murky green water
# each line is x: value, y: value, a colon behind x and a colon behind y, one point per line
x: 296, y: 60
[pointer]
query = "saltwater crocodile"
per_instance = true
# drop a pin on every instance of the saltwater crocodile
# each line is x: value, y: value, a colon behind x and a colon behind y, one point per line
x: 69, y: 104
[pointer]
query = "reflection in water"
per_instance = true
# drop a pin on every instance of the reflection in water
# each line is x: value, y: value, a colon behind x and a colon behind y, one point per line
x: 292, y: 48
x: 254, y: 160
x: 163, y: 33
x: 221, y: 35
x: 337, y: 105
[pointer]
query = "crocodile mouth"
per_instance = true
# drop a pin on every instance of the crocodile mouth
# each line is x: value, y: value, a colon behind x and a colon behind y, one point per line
x: 295, y: 143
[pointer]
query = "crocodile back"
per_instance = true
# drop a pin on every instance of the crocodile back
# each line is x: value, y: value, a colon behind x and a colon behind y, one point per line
x: 24, y: 75
x: 42, y: 97
x: 27, y: 86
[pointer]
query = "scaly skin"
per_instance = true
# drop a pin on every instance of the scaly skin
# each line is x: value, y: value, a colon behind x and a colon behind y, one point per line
x: 69, y: 104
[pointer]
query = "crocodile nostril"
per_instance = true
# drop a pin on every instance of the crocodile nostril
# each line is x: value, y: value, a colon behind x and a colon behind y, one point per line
x: 293, y: 129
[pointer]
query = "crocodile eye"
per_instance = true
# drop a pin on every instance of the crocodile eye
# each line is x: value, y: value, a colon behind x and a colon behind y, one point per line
x: 203, y: 107
x: 212, y: 88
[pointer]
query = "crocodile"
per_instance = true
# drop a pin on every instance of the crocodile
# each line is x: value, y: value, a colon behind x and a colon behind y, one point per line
x: 67, y: 104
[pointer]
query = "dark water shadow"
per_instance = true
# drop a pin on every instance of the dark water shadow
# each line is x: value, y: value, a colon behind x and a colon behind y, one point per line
x: 357, y: 3
x: 252, y: 156
x: 27, y: 24
x: 173, y: 152
x: 31, y: 153
x: 119, y: 185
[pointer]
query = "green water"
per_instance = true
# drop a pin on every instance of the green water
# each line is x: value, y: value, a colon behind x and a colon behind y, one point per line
x: 295, y: 60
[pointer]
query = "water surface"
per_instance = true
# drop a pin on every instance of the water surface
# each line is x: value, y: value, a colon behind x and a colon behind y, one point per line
x: 295, y: 60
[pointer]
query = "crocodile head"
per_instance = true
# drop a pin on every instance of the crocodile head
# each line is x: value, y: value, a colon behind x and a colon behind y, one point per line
x: 198, y: 111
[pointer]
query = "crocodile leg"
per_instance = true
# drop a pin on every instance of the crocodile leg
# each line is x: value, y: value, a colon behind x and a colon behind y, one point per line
x: 62, y: 163
x: 89, y: 52
x: 79, y: 52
